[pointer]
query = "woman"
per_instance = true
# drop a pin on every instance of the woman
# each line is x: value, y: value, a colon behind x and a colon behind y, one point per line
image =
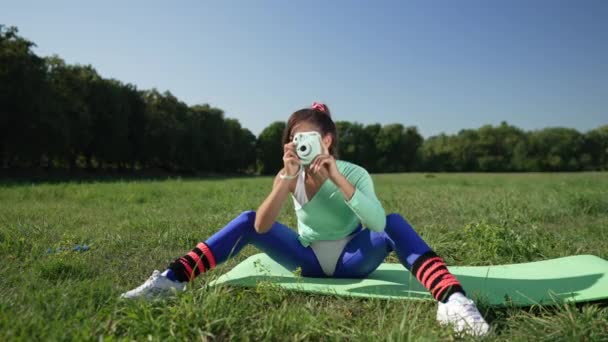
x: 334, y: 200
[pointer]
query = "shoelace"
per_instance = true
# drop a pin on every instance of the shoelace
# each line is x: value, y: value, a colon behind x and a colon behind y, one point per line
x: 471, y: 310
x: 148, y: 283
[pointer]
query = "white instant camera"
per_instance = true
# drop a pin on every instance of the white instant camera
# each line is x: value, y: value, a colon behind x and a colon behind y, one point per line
x: 308, y: 146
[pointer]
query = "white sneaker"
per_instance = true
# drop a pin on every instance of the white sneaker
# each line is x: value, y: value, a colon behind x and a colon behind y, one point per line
x: 157, y: 285
x: 463, y: 314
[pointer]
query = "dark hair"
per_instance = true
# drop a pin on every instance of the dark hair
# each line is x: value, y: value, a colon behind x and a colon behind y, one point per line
x: 319, y: 117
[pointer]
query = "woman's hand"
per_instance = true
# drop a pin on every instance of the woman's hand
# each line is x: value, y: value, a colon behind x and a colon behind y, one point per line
x: 324, y: 166
x: 291, y: 162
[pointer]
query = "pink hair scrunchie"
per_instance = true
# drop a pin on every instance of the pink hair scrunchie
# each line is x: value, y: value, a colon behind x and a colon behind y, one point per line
x: 319, y: 106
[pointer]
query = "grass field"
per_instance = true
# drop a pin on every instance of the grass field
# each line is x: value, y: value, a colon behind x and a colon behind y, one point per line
x: 134, y: 227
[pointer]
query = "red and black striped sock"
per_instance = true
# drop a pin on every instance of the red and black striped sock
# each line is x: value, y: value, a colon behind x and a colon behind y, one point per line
x: 197, y: 261
x: 432, y: 272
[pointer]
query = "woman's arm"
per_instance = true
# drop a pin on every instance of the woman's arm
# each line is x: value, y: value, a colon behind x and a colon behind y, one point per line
x: 271, y: 207
x: 358, y: 192
x: 348, y: 190
x: 365, y: 204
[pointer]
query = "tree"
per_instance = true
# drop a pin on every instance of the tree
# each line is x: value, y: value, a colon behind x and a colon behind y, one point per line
x: 211, y: 138
x: 270, y: 148
x: 352, y: 140
x: 109, y: 114
x: 496, y: 147
x: 240, y: 145
x: 136, y: 132
x: 595, y: 149
x: 397, y: 147
x: 370, y: 154
x: 165, y: 125
x: 555, y: 149
x: 26, y: 125
x: 71, y: 93
x: 436, y: 154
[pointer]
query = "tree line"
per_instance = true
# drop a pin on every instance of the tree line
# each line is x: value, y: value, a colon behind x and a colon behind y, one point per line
x: 56, y: 115
x: 501, y: 148
x: 59, y: 116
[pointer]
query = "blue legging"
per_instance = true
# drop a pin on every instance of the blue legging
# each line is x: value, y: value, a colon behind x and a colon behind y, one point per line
x: 360, y: 257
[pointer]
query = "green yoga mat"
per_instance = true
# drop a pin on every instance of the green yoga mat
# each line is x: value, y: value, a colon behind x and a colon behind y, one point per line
x: 575, y: 279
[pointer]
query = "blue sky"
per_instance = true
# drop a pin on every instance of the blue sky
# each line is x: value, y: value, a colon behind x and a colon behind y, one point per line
x: 438, y: 65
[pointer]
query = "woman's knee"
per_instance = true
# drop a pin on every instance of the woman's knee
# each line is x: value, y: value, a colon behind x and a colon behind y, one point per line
x: 397, y: 223
x: 232, y: 237
x: 243, y: 223
x: 395, y: 220
x: 247, y: 217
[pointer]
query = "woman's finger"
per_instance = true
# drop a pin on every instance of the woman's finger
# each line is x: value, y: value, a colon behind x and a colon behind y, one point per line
x: 323, y: 162
x: 290, y: 153
x: 313, y: 167
x: 294, y: 158
x: 289, y: 147
x: 322, y: 165
x: 291, y: 160
x: 313, y: 164
x: 317, y: 160
x: 321, y: 173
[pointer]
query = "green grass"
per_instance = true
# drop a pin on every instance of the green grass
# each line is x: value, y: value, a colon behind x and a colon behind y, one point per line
x: 134, y: 227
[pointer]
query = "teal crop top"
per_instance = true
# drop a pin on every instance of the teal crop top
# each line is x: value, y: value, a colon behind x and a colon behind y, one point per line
x: 328, y: 216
